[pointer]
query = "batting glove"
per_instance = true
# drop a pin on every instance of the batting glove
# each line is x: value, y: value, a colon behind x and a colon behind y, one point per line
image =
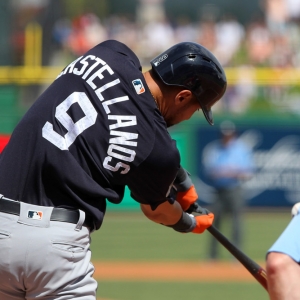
x: 203, y: 217
x: 185, y: 190
x: 197, y: 220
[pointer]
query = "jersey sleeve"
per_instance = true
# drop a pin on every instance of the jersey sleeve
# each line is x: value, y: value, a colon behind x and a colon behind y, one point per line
x: 151, y: 182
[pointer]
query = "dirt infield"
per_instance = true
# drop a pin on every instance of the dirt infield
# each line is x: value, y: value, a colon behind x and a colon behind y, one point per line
x: 172, y: 271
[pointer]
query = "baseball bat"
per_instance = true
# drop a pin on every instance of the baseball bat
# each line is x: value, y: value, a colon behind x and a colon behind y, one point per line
x: 255, y: 270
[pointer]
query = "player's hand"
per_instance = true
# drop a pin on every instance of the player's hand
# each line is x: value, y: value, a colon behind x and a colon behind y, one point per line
x: 196, y: 220
x: 203, y: 217
x: 187, y: 198
x: 185, y: 190
x: 203, y: 222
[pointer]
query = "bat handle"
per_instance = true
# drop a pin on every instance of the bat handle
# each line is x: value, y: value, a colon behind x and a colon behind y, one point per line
x: 257, y: 271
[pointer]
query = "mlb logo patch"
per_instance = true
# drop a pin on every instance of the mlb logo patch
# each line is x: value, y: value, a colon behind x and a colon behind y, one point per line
x: 36, y: 215
x: 138, y: 86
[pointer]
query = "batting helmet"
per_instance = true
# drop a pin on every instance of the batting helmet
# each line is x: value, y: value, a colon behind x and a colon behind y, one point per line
x: 195, y: 68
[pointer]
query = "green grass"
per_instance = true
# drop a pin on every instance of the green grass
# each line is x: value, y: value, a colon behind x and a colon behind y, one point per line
x: 130, y: 236
x: 180, y: 291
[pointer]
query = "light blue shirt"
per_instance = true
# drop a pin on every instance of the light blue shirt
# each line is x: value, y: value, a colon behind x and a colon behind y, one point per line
x: 225, y: 165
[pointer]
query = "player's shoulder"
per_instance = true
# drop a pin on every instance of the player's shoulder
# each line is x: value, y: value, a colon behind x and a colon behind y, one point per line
x: 115, y: 50
x: 116, y: 46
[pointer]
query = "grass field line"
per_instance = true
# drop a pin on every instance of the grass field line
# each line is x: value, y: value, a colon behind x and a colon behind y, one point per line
x: 172, y: 271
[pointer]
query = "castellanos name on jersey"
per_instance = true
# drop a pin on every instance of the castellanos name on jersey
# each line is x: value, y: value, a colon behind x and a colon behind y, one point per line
x: 87, y: 65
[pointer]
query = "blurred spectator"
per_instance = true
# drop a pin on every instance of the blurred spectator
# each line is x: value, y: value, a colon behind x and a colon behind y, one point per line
x: 77, y: 36
x: 227, y: 162
x: 122, y: 29
x: 87, y: 31
x: 293, y: 10
x: 207, y: 35
x: 238, y: 97
x: 272, y: 40
x: 230, y: 34
x: 259, y: 43
x: 282, y: 56
x: 24, y: 12
x: 61, y: 31
x: 156, y: 36
x: 185, y: 30
x: 276, y: 16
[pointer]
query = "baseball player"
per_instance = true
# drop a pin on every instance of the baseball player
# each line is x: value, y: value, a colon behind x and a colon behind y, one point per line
x: 283, y: 259
x: 99, y: 127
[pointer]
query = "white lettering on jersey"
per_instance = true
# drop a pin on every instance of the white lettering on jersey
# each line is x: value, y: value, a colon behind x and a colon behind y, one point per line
x: 84, y: 65
x: 74, y: 129
x: 98, y: 61
x: 70, y: 67
x: 99, y: 75
x: 129, y: 157
x: 123, y: 138
x: 122, y: 121
x: 113, y: 101
x: 84, y: 68
x: 117, y: 166
x: 105, y: 87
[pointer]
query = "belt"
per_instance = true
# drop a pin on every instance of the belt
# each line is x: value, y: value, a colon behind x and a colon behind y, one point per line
x: 58, y: 214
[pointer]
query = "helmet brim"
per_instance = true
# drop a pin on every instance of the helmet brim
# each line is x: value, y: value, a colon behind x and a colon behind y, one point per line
x: 207, y: 98
x: 208, y: 115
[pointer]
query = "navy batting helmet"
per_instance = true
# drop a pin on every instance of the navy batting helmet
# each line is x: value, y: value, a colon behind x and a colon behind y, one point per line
x: 195, y: 68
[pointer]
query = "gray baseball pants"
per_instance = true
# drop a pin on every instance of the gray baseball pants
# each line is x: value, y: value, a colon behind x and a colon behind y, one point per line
x: 43, y: 259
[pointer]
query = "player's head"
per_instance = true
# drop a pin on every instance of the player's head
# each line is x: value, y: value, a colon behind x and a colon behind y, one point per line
x: 227, y: 127
x: 228, y: 131
x: 195, y: 68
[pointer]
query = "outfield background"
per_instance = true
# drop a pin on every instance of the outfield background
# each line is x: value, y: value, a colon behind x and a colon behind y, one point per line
x: 262, y: 100
x: 129, y: 237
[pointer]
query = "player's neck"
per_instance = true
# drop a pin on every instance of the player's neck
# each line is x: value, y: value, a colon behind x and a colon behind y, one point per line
x: 154, y: 88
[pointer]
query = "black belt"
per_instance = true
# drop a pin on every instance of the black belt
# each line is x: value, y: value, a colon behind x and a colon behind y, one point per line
x: 58, y: 214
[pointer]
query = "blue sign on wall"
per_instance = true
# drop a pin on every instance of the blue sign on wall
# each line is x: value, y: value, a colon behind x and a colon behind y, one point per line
x: 276, y: 155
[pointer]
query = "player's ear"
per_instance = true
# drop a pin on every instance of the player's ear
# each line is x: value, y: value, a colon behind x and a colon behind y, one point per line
x: 183, y: 96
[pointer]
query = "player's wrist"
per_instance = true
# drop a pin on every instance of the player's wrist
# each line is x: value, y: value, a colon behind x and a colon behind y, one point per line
x: 182, y: 181
x: 186, y: 223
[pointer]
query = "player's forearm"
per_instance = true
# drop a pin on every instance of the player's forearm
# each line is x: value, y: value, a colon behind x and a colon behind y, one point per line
x: 166, y: 213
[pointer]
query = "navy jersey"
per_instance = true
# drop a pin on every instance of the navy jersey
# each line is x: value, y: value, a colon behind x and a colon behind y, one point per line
x: 95, y: 130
